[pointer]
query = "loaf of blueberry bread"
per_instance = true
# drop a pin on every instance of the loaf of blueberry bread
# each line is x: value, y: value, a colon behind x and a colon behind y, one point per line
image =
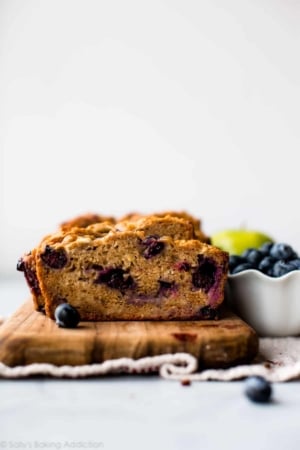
x: 189, y: 227
x: 138, y: 268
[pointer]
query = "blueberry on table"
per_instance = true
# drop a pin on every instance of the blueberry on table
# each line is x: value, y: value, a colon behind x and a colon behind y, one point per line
x: 258, y: 389
x: 66, y: 316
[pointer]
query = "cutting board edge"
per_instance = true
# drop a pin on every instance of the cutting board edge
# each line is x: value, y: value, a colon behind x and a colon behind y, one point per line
x: 17, y: 348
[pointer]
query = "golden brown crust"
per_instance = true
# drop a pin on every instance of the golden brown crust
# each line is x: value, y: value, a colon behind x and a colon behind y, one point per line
x: 196, y: 223
x: 84, y: 220
x: 175, y: 227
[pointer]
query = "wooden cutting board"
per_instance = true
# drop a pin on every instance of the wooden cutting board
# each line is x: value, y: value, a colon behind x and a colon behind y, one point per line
x: 30, y: 337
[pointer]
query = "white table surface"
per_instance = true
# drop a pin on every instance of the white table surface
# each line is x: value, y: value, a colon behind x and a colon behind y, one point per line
x: 140, y: 412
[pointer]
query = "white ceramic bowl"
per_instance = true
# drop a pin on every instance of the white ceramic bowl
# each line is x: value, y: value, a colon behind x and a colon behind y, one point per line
x: 271, y: 306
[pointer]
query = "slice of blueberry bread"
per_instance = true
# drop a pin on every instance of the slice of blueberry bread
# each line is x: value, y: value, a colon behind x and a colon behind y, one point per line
x: 27, y: 263
x: 130, y: 275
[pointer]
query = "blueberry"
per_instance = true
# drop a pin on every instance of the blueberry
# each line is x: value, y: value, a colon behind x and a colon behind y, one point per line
x: 235, y: 260
x: 208, y: 313
x: 270, y: 272
x: 115, y: 278
x: 281, y: 251
x: 266, y: 265
x: 153, y: 246
x: 203, y: 276
x: 242, y: 267
x: 21, y: 265
x: 66, y: 316
x: 282, y: 267
x: 266, y: 248
x: 30, y: 276
x: 54, y: 258
x: 258, y: 389
x: 246, y: 252
x: 253, y: 256
x: 295, y: 263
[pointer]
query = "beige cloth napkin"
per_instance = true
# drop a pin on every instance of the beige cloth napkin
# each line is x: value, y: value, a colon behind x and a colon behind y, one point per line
x: 278, y: 361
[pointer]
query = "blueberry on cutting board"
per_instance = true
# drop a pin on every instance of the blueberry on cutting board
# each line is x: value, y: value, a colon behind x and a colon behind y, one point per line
x: 66, y: 316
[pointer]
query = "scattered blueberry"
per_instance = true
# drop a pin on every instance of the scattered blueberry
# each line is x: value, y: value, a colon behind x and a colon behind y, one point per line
x: 258, y: 389
x: 281, y: 251
x: 66, y: 316
x: 242, y: 267
x: 56, y: 259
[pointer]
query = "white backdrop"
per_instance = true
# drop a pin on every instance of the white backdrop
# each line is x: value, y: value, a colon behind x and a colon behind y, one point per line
x: 114, y: 106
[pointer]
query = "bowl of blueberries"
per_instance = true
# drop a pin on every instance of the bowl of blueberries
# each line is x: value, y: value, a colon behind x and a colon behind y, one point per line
x: 264, y: 289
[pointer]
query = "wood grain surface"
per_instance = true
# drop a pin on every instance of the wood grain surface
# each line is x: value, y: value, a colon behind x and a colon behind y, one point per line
x: 29, y: 337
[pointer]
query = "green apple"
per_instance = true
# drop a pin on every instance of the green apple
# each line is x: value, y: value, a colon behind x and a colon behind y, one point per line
x: 235, y: 241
